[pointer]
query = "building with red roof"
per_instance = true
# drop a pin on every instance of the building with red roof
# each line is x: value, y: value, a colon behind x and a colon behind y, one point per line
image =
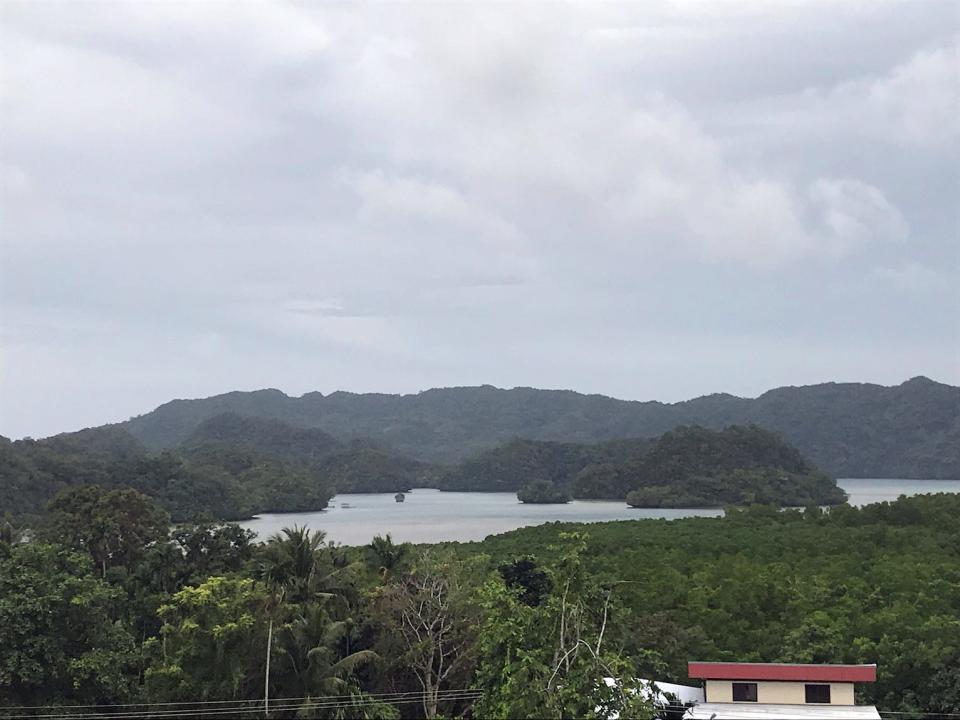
x: 780, y: 690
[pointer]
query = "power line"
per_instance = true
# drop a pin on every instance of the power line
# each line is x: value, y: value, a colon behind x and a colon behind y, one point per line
x: 259, y: 701
x: 213, y: 702
x: 228, y: 712
x: 221, y: 708
x: 242, y: 707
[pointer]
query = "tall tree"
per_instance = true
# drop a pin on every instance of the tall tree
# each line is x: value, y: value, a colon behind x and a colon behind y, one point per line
x: 298, y: 570
x: 552, y: 660
x: 313, y: 660
x: 210, y: 643
x: 386, y: 555
x: 431, y: 614
x: 60, y: 640
x: 113, y: 526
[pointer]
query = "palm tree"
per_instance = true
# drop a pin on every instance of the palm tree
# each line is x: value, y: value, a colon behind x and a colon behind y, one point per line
x: 290, y: 560
x: 387, y: 554
x: 311, y: 644
x: 299, y: 575
x: 287, y: 568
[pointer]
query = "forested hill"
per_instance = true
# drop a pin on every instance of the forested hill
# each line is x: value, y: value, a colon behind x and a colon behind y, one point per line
x: 214, y: 480
x: 357, y: 465
x: 230, y: 467
x: 847, y: 429
x: 265, y: 435
x: 686, y: 467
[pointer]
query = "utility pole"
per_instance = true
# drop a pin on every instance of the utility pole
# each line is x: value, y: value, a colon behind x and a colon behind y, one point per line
x: 266, y: 675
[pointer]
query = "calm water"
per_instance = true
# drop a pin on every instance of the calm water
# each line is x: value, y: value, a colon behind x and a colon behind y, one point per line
x: 434, y: 516
x: 864, y: 492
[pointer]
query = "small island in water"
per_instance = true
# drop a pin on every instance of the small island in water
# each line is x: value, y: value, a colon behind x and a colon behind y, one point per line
x: 686, y: 467
x: 543, y: 492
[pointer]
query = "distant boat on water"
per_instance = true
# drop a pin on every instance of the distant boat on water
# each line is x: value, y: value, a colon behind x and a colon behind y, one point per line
x: 346, y: 505
x: 399, y: 497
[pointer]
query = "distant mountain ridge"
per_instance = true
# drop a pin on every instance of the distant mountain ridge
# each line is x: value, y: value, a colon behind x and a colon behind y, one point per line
x: 910, y: 430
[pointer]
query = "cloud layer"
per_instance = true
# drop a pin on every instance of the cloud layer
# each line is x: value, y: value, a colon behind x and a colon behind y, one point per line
x: 649, y: 200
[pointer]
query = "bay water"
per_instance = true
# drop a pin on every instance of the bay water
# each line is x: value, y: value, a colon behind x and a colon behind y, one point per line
x: 429, y: 516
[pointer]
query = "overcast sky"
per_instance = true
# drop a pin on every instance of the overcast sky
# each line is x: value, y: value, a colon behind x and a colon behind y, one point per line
x: 652, y: 201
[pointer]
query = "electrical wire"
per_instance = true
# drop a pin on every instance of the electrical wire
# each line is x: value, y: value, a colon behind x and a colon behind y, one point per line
x: 239, y: 707
x: 246, y: 708
x: 213, y: 702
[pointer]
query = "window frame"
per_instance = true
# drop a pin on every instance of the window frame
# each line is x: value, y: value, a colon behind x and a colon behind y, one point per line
x: 817, y: 686
x: 748, y: 686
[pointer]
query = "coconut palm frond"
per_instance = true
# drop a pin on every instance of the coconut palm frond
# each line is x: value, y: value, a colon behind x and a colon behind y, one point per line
x: 352, y: 662
x: 334, y: 632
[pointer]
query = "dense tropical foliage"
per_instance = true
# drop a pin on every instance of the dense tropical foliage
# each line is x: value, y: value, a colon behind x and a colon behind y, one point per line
x: 910, y: 430
x: 234, y: 466
x: 351, y: 465
x: 543, y: 492
x: 686, y: 467
x: 506, y: 467
x: 216, y: 481
x: 100, y: 602
x: 230, y: 468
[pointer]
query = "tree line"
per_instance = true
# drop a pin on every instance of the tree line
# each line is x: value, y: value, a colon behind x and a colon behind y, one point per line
x: 101, y: 601
x: 689, y: 466
x: 232, y: 467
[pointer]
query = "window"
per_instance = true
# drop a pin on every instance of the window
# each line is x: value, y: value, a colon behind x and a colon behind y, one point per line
x: 818, y: 693
x: 744, y: 692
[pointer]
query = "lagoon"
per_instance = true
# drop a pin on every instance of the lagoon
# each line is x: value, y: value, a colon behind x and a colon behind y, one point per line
x: 429, y: 516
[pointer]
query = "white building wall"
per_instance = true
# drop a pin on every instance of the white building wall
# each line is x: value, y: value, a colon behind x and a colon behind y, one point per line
x: 778, y: 693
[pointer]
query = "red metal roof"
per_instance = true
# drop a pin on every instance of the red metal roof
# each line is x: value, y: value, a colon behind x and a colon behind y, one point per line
x: 782, y: 671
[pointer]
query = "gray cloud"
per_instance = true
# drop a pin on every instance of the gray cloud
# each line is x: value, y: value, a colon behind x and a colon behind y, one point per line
x: 649, y: 200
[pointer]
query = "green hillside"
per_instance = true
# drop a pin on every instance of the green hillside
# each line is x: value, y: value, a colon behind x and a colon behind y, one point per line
x: 847, y: 429
x: 357, y: 465
x: 230, y: 467
x: 686, y: 467
x: 224, y: 483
